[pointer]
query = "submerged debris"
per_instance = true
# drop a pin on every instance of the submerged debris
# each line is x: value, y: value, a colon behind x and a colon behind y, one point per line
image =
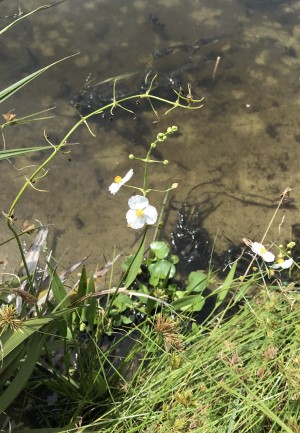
x: 95, y: 96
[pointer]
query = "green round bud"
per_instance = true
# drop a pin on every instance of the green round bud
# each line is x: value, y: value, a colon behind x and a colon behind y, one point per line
x: 131, y: 156
x: 164, y: 138
x: 153, y: 145
x: 160, y: 136
x: 174, y: 128
x: 169, y: 130
x: 165, y: 162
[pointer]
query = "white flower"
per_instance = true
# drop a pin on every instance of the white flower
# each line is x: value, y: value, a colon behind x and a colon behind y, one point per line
x: 261, y: 251
x: 119, y: 181
x: 283, y: 264
x: 140, y: 212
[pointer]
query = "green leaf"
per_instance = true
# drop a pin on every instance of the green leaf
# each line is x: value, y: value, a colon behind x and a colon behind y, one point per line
x: 14, y: 22
x: 135, y: 265
x: 10, y: 90
x: 188, y: 303
x: 99, y: 384
x: 222, y: 291
x: 34, y: 349
x: 153, y: 281
x: 151, y: 304
x: 198, y: 282
x: 10, y: 340
x: 59, y: 292
x: 79, y: 317
x: 162, y: 269
x: 125, y: 265
x: 174, y: 259
x: 122, y: 301
x: 5, y: 154
x: 117, y: 320
x: 127, y: 320
x: 160, y: 249
x: 82, y: 286
x: 91, y: 308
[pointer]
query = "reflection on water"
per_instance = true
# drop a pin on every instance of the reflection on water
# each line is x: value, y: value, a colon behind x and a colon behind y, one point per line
x: 242, y: 145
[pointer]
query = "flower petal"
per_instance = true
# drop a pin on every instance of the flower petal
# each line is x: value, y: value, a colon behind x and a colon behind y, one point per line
x: 258, y: 248
x: 133, y: 220
x: 261, y: 251
x: 138, y: 202
x: 268, y: 256
x: 287, y: 263
x: 114, y: 187
x: 150, y: 215
x: 127, y: 176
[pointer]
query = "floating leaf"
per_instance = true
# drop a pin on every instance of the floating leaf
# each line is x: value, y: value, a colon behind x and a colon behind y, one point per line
x: 198, y: 282
x: 162, y: 269
x: 160, y: 249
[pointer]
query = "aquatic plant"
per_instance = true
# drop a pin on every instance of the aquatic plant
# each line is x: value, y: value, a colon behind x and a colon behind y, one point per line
x: 236, y: 368
x: 41, y: 303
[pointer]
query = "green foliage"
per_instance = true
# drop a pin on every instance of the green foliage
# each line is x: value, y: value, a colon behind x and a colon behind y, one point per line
x: 156, y: 279
x: 135, y: 264
x: 225, y: 287
x: 240, y: 374
x: 42, y: 318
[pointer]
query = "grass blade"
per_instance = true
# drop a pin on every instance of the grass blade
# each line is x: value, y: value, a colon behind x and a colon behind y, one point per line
x: 225, y: 287
x: 10, y: 90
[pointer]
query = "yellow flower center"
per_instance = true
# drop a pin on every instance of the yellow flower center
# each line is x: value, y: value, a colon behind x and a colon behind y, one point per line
x: 118, y: 179
x: 280, y: 260
x: 139, y: 212
x: 263, y: 250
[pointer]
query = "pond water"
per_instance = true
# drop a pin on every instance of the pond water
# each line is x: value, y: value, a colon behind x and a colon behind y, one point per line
x: 241, y: 148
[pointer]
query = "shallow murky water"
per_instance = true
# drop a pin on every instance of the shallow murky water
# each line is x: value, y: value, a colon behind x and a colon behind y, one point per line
x: 241, y: 147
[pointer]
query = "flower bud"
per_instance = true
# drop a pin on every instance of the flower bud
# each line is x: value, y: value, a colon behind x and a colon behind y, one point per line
x: 174, y: 128
x: 160, y: 136
x: 174, y: 185
x: 169, y: 130
x: 291, y: 245
x: 131, y: 156
x: 165, y: 162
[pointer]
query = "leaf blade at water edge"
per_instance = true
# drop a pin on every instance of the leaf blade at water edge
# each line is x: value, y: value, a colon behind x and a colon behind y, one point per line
x: 10, y: 90
x: 135, y: 265
x: 188, y: 303
x: 224, y: 288
x: 7, y: 154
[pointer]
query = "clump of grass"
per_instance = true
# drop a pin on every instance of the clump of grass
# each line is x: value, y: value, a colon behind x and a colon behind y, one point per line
x: 238, y: 375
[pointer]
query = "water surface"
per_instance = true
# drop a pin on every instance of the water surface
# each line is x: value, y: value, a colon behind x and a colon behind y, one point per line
x: 242, y: 146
